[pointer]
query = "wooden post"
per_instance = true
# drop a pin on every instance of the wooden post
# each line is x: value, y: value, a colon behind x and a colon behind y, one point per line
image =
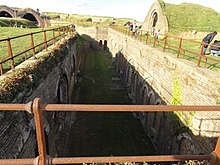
x: 45, y: 40
x: 10, y: 54
x: 179, y: 48
x: 32, y: 44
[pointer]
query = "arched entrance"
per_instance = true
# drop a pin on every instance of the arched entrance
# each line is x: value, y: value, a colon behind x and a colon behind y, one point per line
x: 154, y: 20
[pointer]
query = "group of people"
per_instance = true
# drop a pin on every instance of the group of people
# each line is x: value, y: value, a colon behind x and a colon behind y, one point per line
x: 214, y: 47
x: 133, y: 27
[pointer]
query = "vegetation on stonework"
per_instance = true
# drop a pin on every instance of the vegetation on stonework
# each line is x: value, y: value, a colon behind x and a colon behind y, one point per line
x: 162, y: 5
x: 97, y: 81
x: 187, y: 17
x: 185, y: 117
x: 30, y: 77
x: 176, y: 96
x: 80, y: 41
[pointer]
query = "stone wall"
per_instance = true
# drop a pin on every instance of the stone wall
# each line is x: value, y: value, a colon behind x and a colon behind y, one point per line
x: 154, y: 77
x: 155, y: 19
x: 55, y: 85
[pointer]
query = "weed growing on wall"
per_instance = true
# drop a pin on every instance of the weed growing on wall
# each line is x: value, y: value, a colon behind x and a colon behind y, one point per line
x: 176, y: 97
x: 29, y: 78
x: 185, y: 117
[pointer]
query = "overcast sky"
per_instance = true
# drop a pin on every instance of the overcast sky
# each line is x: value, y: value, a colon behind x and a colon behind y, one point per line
x: 136, y: 9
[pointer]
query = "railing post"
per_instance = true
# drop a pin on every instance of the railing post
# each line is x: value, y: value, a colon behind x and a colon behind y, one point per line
x: 32, y: 44
x: 217, y: 152
x: 179, y: 48
x: 10, y: 54
x: 38, y: 118
x: 59, y: 31
x: 45, y: 40
x: 1, y: 69
x: 54, y: 40
x: 147, y: 38
x: 140, y: 35
x: 165, y: 43
x: 201, y: 54
x: 155, y: 39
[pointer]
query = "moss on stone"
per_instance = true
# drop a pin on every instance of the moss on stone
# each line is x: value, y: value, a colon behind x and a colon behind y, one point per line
x: 32, y: 75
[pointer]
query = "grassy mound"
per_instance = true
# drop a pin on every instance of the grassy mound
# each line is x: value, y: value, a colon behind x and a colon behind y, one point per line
x: 10, y: 22
x: 188, y: 17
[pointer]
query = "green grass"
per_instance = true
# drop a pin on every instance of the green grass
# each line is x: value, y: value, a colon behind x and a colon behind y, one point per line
x: 10, y: 22
x: 190, y: 50
x: 21, y: 44
x: 105, y: 133
x: 187, y: 17
x: 81, y: 20
x: 96, y: 82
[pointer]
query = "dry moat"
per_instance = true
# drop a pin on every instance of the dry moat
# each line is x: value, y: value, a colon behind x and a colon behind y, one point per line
x: 107, y: 133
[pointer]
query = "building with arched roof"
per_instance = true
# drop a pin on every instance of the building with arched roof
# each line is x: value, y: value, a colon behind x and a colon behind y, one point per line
x: 26, y: 13
x: 156, y: 19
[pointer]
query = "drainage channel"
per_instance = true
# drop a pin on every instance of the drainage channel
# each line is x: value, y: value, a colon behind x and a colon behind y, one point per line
x: 105, y: 133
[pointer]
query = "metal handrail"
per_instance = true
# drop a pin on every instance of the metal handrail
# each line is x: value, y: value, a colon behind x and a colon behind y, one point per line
x: 37, y: 107
x: 165, y: 44
x: 62, y: 32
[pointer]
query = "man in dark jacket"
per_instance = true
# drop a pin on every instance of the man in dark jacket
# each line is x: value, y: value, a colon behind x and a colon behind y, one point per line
x: 215, y: 48
x: 207, y: 40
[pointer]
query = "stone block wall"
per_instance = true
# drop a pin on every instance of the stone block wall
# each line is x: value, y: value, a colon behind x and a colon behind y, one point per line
x: 54, y: 85
x: 155, y: 77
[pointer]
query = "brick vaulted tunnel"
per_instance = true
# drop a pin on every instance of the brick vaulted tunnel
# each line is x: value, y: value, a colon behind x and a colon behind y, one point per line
x: 26, y: 13
x: 123, y: 71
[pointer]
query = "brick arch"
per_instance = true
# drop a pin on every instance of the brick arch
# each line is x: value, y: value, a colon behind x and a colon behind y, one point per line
x: 7, y: 12
x: 62, y: 89
x: 151, y: 97
x: 31, y: 15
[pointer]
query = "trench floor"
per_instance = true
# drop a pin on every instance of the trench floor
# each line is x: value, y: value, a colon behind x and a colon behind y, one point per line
x: 104, y: 133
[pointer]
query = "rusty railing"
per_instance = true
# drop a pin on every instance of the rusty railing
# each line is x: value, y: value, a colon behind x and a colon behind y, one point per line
x: 45, y: 42
x: 37, y: 107
x: 176, y: 45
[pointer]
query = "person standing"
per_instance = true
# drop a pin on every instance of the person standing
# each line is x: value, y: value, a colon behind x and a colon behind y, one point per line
x: 207, y: 40
x: 134, y: 29
x: 157, y: 34
x: 215, y: 48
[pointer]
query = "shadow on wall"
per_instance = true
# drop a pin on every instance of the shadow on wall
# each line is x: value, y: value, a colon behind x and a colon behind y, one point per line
x: 168, y: 134
x: 96, y: 45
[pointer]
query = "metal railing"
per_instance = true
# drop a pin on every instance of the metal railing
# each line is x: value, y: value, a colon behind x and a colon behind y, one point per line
x: 183, y: 48
x: 37, y: 107
x: 32, y: 48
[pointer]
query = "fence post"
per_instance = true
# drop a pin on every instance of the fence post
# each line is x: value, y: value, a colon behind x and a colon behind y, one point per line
x: 10, y: 54
x: 155, y: 39
x: 141, y: 32
x: 147, y: 38
x: 32, y: 44
x: 59, y: 31
x: 217, y: 152
x: 54, y: 41
x: 45, y: 40
x: 165, y: 43
x: 1, y: 69
x: 179, y: 48
x: 201, y: 54
x: 38, y: 118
